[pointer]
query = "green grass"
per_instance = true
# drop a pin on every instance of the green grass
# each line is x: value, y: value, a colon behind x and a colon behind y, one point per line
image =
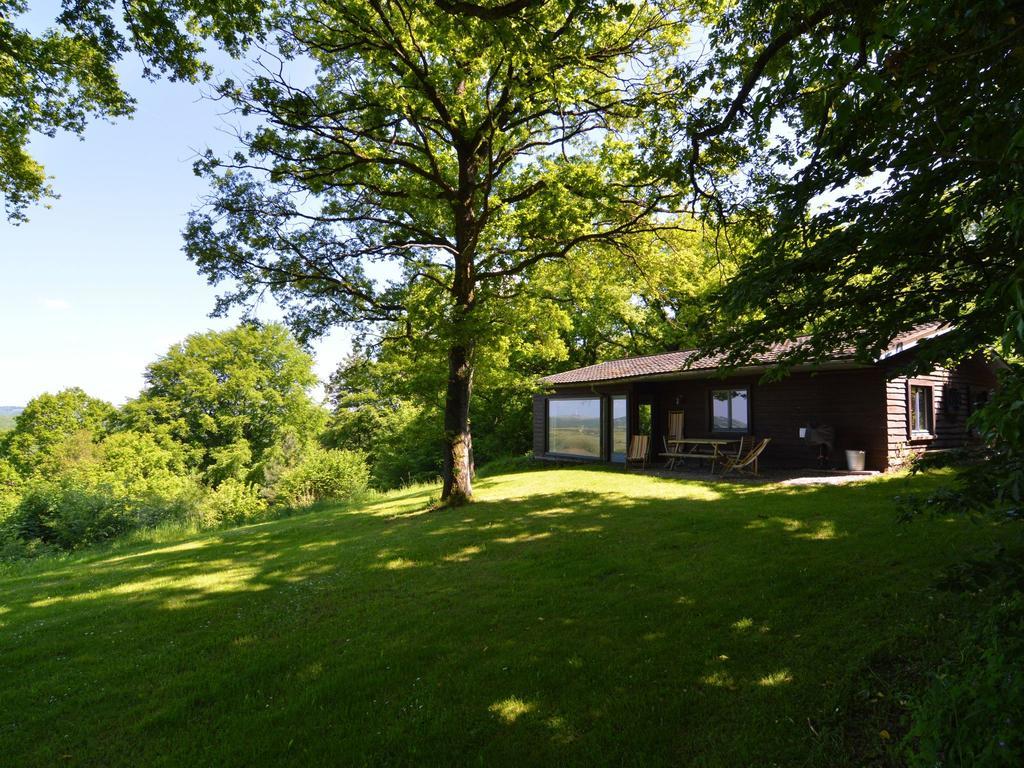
x: 570, y: 617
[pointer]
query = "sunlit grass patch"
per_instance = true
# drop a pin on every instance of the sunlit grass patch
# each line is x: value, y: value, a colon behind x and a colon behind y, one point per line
x: 775, y: 678
x: 719, y: 679
x: 464, y: 554
x: 826, y: 530
x: 397, y: 564
x: 511, y: 709
x: 522, y: 538
x: 570, y: 617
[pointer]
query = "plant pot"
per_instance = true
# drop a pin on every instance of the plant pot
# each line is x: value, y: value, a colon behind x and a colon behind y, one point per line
x: 855, y: 461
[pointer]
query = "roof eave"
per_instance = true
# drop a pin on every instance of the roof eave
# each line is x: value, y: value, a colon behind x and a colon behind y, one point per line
x: 899, y: 349
x: 709, y: 373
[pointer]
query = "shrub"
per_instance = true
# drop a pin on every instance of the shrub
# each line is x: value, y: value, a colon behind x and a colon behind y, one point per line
x: 322, y: 474
x: 130, y: 482
x: 233, y: 501
x: 402, y: 442
x: 229, y: 462
x: 973, y: 714
x: 10, y: 488
x: 69, y: 514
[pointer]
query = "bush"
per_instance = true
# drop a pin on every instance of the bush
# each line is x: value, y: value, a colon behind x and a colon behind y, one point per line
x: 68, y: 514
x: 130, y: 483
x: 973, y: 714
x: 10, y: 488
x: 403, y: 443
x: 233, y: 501
x: 322, y: 474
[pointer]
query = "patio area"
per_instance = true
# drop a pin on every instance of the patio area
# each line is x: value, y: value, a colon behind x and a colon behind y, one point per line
x: 765, y: 477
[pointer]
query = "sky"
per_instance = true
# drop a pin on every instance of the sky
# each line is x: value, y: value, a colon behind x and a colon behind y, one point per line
x: 95, y: 287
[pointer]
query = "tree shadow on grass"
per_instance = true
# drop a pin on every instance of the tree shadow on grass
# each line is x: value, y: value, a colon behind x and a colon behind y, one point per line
x: 664, y: 623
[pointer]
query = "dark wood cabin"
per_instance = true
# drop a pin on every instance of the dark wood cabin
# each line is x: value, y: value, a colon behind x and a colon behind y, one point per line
x: 589, y: 414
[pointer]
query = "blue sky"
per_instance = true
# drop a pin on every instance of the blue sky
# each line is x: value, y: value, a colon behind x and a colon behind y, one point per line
x: 95, y: 287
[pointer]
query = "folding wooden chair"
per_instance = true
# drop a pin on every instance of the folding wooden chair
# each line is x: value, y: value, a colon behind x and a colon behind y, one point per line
x: 742, y: 462
x: 670, y: 455
x: 639, y: 450
x: 675, y: 425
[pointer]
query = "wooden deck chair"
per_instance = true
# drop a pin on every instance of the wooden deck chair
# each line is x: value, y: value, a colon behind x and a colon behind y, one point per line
x: 743, y: 462
x: 639, y: 450
x: 744, y: 446
x: 670, y: 455
x: 747, y: 443
x: 675, y: 425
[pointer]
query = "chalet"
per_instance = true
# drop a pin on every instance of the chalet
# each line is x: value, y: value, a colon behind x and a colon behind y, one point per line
x: 812, y: 416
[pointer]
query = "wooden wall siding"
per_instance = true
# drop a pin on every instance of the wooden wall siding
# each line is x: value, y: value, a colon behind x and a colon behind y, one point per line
x: 539, y: 416
x: 949, y: 417
x: 867, y: 410
x: 851, y: 401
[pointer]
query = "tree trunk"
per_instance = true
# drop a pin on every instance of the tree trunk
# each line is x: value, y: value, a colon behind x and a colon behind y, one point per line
x: 458, y: 454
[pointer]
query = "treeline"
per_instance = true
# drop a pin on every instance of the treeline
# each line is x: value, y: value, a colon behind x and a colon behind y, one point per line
x: 224, y: 431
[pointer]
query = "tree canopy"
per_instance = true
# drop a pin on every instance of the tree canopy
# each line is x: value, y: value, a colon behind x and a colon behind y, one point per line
x: 52, y: 428
x: 593, y: 305
x: 464, y: 145
x: 879, y: 147
x: 227, y: 398
x: 59, y: 78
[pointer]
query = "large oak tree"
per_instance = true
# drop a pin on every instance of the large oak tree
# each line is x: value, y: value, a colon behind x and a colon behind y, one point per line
x: 464, y: 145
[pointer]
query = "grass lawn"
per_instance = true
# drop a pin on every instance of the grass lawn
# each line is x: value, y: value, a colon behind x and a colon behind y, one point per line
x: 570, y: 617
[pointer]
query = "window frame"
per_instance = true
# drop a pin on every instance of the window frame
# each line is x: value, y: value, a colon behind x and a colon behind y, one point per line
x: 608, y: 427
x: 603, y: 432
x: 711, y: 410
x: 920, y: 434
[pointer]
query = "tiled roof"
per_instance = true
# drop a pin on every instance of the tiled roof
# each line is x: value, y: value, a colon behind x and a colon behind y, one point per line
x: 689, y: 360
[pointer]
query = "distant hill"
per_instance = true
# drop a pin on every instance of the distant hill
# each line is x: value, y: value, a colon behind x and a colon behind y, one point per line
x: 8, y: 413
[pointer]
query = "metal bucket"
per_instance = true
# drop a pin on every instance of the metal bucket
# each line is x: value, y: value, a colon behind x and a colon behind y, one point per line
x: 855, y: 461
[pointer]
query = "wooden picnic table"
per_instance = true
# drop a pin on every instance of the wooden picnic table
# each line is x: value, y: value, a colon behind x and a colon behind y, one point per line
x: 696, y: 444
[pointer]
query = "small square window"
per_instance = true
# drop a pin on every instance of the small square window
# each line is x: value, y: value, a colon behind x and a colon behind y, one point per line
x: 921, y: 415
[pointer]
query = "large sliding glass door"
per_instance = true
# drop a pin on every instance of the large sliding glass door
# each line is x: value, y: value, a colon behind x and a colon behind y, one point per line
x: 619, y: 435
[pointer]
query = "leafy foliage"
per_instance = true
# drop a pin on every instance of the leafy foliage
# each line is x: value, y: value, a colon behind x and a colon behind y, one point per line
x: 402, y: 442
x: 575, y: 311
x: 130, y: 482
x: 54, y: 430
x: 466, y: 149
x: 225, y: 399
x: 233, y: 501
x: 10, y: 487
x: 879, y: 147
x: 322, y: 474
x: 58, y: 79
